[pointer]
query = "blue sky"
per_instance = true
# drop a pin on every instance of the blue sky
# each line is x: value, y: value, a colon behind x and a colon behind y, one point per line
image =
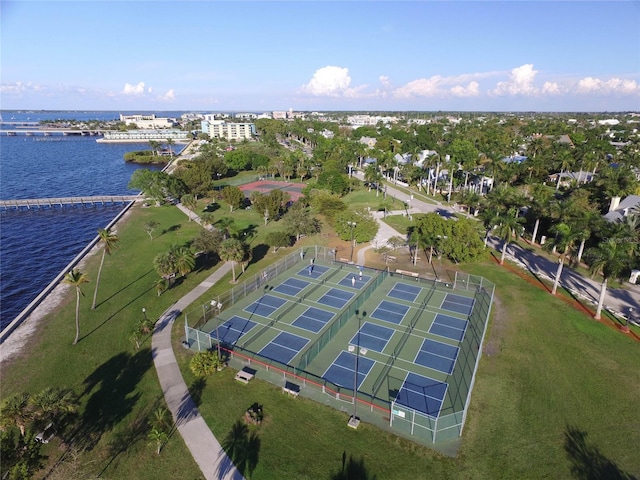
x: 320, y: 55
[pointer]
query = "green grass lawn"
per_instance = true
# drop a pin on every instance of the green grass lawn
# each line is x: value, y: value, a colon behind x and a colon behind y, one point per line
x: 548, y: 369
x: 544, y: 376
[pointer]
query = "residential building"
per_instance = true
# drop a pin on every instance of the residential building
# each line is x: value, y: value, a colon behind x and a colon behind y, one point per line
x: 229, y: 131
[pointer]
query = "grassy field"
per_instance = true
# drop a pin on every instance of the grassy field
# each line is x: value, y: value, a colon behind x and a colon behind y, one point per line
x: 549, y: 374
x: 547, y: 382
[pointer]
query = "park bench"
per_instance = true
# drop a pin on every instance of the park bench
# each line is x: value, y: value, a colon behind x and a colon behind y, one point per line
x: 291, y: 389
x: 245, y: 375
x: 407, y: 273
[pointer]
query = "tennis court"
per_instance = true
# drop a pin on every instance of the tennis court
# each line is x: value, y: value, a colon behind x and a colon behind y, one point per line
x: 284, y: 347
x: 231, y: 330
x: 457, y: 304
x: 292, y: 287
x: 415, y: 347
x: 448, y: 327
x: 391, y: 312
x: 422, y: 394
x: 354, y: 281
x: 313, y: 319
x: 342, y: 371
x: 405, y: 292
x: 437, y: 356
x: 336, y: 298
x: 373, y: 337
x: 265, y: 306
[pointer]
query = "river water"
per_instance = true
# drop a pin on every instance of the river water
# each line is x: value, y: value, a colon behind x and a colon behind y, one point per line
x: 36, y: 244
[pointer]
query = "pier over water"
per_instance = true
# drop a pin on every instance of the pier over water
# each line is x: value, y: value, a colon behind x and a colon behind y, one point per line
x: 37, y: 203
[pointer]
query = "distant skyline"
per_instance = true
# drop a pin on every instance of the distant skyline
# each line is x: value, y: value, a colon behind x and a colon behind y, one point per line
x: 260, y: 56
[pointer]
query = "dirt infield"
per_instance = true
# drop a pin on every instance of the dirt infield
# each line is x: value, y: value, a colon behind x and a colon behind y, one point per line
x: 265, y: 186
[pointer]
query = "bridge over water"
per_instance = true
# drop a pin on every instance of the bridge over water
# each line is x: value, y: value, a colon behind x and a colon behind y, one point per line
x: 36, y: 203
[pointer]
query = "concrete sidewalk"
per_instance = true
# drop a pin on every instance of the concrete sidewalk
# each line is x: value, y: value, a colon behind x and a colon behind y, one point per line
x: 206, y: 450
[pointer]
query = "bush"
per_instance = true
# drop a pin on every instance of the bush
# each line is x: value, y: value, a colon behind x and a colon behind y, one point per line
x: 204, y: 364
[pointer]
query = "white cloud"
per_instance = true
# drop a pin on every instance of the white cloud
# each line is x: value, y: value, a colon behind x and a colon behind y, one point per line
x: 133, y: 89
x: 384, y: 80
x: 170, y: 96
x: 423, y: 87
x: 590, y: 85
x: 15, y: 88
x: 329, y: 81
x: 520, y: 82
x: 471, y: 90
x: 551, y: 88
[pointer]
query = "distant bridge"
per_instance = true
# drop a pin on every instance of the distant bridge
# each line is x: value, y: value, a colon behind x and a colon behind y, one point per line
x: 50, y: 131
x: 36, y: 203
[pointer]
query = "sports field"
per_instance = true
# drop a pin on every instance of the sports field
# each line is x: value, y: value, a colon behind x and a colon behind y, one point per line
x: 408, y: 345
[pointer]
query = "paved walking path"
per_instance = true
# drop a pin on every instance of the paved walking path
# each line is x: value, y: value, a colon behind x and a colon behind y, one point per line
x: 204, y: 447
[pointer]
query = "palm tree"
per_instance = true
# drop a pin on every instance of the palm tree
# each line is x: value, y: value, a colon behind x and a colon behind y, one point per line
x: 109, y: 242
x: 508, y: 226
x: 76, y: 278
x: 190, y: 202
x: 158, y: 438
x: 563, y: 242
x: 170, y: 142
x: 184, y: 260
x: 231, y: 250
x: 609, y: 259
x: 16, y: 411
x: 53, y: 403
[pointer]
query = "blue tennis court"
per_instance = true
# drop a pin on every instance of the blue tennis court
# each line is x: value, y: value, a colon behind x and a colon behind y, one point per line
x: 390, y: 312
x: 448, y: 327
x: 291, y: 287
x: 336, y: 298
x: 405, y: 292
x: 313, y: 271
x: 373, y: 337
x: 313, y: 319
x: 342, y: 371
x: 457, y: 304
x: 436, y: 355
x: 354, y: 280
x: 231, y: 330
x: 422, y: 394
x: 284, y: 347
x: 265, y: 305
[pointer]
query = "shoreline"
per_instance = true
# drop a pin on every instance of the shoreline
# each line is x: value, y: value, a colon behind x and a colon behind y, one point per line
x: 18, y: 337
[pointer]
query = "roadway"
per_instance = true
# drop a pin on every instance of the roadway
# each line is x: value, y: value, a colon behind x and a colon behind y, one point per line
x: 617, y: 300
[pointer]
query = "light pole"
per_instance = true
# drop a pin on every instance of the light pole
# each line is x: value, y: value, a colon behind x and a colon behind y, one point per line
x: 352, y: 225
x: 217, y: 305
x: 144, y: 312
x: 354, y: 421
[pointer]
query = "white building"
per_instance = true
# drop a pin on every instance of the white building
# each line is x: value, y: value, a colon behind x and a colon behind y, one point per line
x: 145, y: 135
x: 229, y: 131
x: 145, y: 122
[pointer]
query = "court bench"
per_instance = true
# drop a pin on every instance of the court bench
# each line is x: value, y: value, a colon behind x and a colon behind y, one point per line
x: 291, y: 389
x: 407, y: 273
x: 245, y: 375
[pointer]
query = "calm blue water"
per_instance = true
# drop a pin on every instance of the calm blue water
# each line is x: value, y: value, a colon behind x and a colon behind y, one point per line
x: 36, y: 245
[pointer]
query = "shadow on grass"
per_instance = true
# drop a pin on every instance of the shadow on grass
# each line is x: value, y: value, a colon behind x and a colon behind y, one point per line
x: 242, y: 449
x: 587, y: 462
x: 132, y: 301
x: 196, y: 389
x: 172, y: 228
x: 112, y: 396
x: 124, y: 288
x: 352, y: 469
x: 259, y: 252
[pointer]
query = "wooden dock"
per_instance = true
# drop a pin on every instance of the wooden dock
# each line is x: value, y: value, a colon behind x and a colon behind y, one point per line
x: 38, y: 203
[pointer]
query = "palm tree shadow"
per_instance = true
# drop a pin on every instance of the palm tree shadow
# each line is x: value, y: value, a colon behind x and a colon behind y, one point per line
x: 352, y: 469
x: 587, y: 462
x: 124, y: 288
x: 242, y: 450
